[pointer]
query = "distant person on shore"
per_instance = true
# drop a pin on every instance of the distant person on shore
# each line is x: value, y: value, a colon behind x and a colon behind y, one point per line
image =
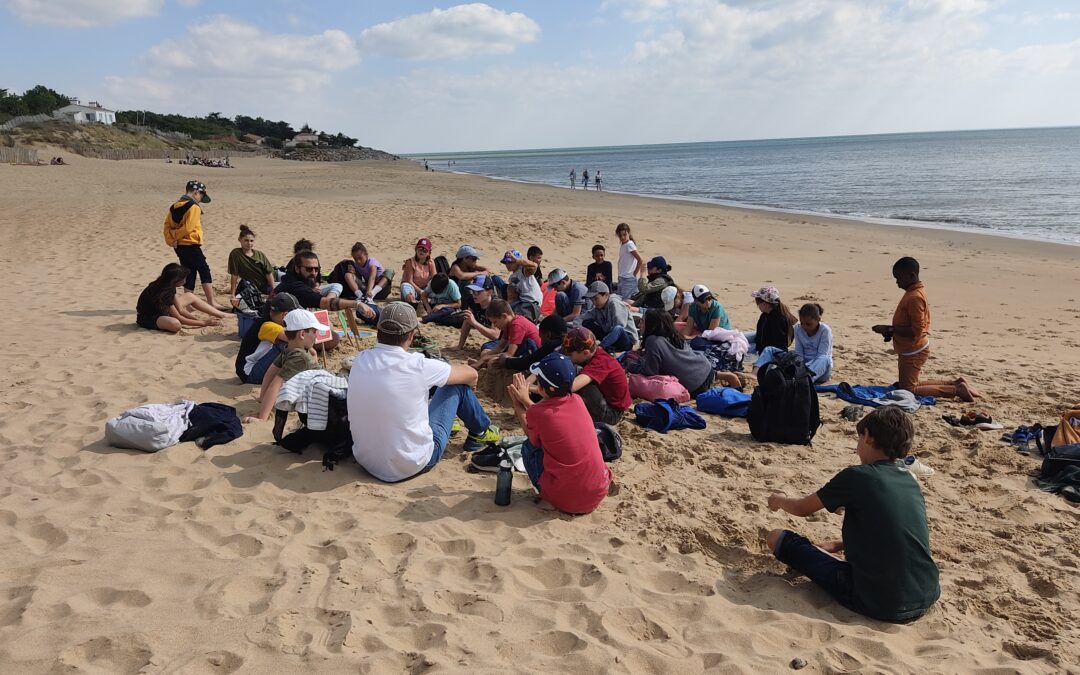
x: 650, y: 290
x: 299, y: 355
x: 585, y: 179
x: 417, y: 272
x: 596, y: 181
x: 775, y: 326
x: 888, y: 572
x: 813, y: 342
x: 910, y: 335
x: 518, y: 336
x: 160, y: 308
x: 704, y: 312
x: 571, y: 297
x: 631, y: 264
x: 301, y: 281
x: 602, y: 382
x: 248, y: 264
x: 573, y: 179
x: 609, y: 319
x: 183, y: 232
x: 362, y: 276
x: 522, y: 289
x: 398, y: 429
x: 599, y: 269
x: 561, y: 454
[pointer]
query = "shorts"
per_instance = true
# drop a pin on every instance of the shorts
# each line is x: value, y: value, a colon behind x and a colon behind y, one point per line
x: 191, y: 257
x: 148, y: 321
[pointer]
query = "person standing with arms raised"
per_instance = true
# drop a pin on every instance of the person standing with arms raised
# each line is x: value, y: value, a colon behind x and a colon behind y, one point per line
x: 183, y: 232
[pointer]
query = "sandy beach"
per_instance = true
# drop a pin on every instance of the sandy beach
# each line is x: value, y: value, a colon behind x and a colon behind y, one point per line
x: 246, y: 558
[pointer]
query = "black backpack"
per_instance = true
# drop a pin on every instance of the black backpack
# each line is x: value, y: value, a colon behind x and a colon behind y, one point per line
x: 442, y: 265
x: 784, y: 407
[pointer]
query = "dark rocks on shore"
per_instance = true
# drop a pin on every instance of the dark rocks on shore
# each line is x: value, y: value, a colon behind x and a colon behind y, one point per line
x: 332, y: 154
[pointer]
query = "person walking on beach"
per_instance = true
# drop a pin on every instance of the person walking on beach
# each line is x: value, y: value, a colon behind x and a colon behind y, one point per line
x: 183, y: 232
x: 573, y: 178
x: 910, y: 334
x: 596, y: 181
x: 585, y: 179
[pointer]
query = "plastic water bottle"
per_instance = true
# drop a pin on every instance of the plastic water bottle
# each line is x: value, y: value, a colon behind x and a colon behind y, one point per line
x: 504, y: 483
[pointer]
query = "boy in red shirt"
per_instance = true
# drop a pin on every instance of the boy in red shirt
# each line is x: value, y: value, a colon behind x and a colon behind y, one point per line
x: 518, y: 336
x: 562, y: 455
x: 602, y: 381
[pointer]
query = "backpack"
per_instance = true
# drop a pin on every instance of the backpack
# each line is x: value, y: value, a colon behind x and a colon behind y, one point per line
x: 251, y: 300
x: 784, y: 406
x: 667, y: 415
x: 724, y: 401
x: 610, y: 442
x: 442, y: 265
x: 1059, y: 458
x: 655, y: 387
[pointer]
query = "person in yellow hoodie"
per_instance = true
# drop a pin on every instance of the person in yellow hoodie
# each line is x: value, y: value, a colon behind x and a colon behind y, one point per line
x: 183, y: 231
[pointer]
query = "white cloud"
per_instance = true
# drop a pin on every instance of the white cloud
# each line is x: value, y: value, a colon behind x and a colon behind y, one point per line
x: 82, y: 13
x: 188, y: 3
x: 458, y: 32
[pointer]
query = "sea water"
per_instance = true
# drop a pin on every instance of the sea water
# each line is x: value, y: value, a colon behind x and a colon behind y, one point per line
x: 1016, y: 182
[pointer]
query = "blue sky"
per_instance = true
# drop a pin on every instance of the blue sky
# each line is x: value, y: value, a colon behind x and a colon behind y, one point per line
x: 411, y: 76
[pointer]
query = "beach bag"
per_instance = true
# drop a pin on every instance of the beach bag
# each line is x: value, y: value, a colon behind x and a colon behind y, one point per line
x: 1060, y: 458
x: 654, y: 387
x: 138, y: 433
x: 665, y: 416
x: 724, y: 401
x: 442, y: 265
x: 337, y: 430
x: 610, y: 441
x: 251, y: 300
x: 784, y: 406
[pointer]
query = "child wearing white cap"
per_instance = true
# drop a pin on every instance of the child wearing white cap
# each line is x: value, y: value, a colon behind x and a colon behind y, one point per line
x: 300, y: 329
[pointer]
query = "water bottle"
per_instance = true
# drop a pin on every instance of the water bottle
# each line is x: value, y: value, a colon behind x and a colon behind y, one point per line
x: 504, y: 483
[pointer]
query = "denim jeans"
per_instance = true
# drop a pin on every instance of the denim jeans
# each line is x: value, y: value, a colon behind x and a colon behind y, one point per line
x: 832, y: 574
x: 627, y: 287
x: 564, y: 308
x: 327, y: 289
x: 373, y: 321
x: 453, y: 400
x: 258, y: 371
x: 408, y: 289
x: 821, y: 367
x: 533, y: 459
x: 615, y: 340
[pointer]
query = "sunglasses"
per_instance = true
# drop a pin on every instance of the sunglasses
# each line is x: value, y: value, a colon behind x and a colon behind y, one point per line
x: 316, y: 268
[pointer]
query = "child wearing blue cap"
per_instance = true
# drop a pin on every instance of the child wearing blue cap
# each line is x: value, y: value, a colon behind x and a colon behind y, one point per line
x: 562, y: 454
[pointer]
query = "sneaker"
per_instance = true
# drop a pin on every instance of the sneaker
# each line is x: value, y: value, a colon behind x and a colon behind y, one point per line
x: 488, y: 459
x: 474, y: 443
x: 456, y: 427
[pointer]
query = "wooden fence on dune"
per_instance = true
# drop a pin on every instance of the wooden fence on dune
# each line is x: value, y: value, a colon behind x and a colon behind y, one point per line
x: 175, y: 154
x: 18, y: 155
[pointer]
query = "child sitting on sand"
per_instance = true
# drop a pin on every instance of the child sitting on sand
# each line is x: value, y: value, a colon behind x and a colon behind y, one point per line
x: 704, y: 312
x: 300, y: 328
x: 441, y: 300
x: 813, y: 342
x: 602, y: 381
x: 650, y: 290
x: 562, y: 455
x: 775, y: 325
x: 552, y: 331
x: 599, y: 269
x: 888, y: 573
x: 518, y: 336
x: 522, y: 289
x: 631, y: 264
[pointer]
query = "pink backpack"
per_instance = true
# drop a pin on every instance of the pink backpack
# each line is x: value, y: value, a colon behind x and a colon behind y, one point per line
x: 657, y: 387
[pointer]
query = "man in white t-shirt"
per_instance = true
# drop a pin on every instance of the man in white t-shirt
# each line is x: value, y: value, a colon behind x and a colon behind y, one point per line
x: 397, y: 431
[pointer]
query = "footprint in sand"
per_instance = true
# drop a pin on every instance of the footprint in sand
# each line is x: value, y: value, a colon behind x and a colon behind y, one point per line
x: 119, y: 654
x: 36, y: 534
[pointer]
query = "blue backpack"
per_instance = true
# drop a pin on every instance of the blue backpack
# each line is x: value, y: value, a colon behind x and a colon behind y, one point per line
x: 667, y: 415
x: 724, y: 401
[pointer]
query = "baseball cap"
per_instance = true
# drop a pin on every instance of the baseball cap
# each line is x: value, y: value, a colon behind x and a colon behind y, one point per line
x: 668, y: 296
x: 556, y: 275
x: 196, y: 185
x: 556, y: 370
x: 479, y: 283
x: 700, y: 291
x: 511, y: 255
x: 597, y: 287
x: 398, y: 318
x: 466, y: 251
x: 284, y: 302
x: 302, y: 319
x: 767, y: 293
x: 579, y: 339
x: 659, y: 262
x: 425, y: 244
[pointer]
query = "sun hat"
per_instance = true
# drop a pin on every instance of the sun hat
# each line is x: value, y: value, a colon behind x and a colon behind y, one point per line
x: 767, y: 293
x: 578, y: 339
x: 659, y: 262
x: 398, y: 318
x: 597, y: 287
x: 466, y: 251
x: 479, y: 283
x: 284, y: 302
x: 510, y: 256
x: 668, y: 296
x: 556, y: 275
x: 302, y: 319
x: 425, y: 244
x: 700, y: 291
x: 196, y: 185
x: 555, y: 369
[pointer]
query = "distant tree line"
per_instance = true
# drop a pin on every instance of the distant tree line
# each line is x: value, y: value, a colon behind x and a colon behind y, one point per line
x: 36, y: 101
x: 216, y: 125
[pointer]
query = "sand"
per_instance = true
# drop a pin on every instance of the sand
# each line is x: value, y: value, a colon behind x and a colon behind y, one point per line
x: 248, y: 558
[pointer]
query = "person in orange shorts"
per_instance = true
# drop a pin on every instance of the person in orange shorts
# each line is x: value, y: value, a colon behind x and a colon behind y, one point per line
x: 910, y: 335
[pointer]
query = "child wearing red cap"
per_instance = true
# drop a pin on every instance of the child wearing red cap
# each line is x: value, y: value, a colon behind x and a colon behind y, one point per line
x: 417, y: 272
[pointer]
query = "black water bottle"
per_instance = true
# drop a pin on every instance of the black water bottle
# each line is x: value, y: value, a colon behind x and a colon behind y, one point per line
x: 504, y: 483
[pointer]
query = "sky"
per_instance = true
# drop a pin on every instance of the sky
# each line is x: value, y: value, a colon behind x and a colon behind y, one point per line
x: 413, y: 77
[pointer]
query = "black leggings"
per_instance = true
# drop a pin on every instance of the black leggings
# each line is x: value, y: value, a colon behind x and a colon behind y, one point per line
x: 191, y: 257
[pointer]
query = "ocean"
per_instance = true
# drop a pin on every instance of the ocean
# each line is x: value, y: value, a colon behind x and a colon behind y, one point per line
x: 1016, y: 182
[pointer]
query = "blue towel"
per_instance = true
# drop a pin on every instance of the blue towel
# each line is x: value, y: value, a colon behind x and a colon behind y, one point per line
x: 864, y: 395
x: 667, y: 415
x: 724, y: 401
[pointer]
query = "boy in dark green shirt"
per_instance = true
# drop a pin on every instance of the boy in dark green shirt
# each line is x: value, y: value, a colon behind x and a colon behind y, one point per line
x: 888, y: 573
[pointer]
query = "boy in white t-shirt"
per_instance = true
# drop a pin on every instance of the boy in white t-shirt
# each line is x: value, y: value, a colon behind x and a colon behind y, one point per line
x: 631, y: 264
